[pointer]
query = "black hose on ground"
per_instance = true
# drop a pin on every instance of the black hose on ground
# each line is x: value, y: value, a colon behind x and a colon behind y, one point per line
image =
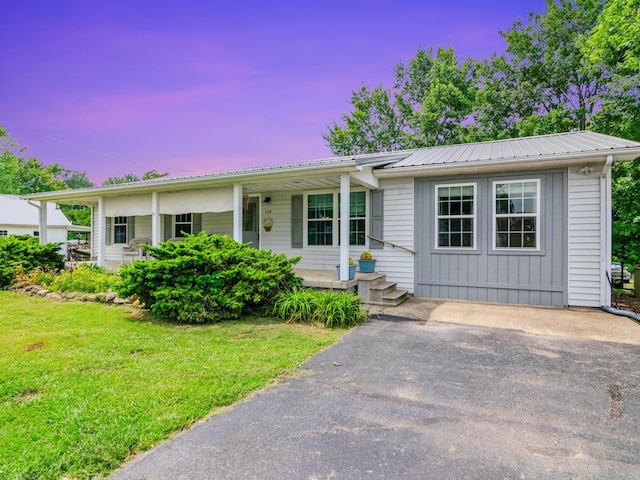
x: 623, y: 313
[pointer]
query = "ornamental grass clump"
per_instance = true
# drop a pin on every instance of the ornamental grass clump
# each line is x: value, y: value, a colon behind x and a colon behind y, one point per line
x: 207, y: 279
x: 309, y: 306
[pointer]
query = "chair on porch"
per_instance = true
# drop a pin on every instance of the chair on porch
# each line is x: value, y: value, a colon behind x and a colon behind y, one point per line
x: 134, y: 251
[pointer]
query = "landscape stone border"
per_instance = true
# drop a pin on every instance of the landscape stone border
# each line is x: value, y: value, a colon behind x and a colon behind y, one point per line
x: 103, y: 297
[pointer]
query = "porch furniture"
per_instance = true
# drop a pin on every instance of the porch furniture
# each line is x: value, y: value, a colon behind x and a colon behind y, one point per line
x: 134, y: 251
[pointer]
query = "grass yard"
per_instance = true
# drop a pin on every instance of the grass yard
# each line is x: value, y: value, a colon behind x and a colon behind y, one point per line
x: 83, y: 385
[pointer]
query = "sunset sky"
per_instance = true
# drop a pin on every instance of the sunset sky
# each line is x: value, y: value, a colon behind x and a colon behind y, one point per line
x: 117, y: 87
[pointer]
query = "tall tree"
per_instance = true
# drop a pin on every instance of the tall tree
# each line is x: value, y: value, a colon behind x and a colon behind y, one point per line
x: 543, y: 83
x: 131, y: 177
x: 431, y: 99
x: 20, y: 175
x: 615, y: 40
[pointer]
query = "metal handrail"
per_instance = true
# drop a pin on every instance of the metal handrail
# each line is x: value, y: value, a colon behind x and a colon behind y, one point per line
x: 394, y: 245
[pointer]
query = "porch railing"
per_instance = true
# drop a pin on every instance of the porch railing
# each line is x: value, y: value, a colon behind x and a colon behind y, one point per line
x: 394, y: 245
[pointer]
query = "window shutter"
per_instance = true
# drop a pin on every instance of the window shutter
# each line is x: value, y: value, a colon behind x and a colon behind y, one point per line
x: 107, y: 230
x: 167, y: 227
x: 296, y: 221
x: 376, y: 225
x: 197, y: 223
x: 131, y: 228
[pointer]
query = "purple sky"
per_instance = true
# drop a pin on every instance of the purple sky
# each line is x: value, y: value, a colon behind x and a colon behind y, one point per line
x: 116, y: 87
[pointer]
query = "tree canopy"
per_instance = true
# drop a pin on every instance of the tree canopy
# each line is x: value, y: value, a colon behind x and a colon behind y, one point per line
x: 575, y: 66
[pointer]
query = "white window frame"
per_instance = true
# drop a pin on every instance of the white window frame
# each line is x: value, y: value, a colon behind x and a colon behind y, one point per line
x: 120, y: 224
x: 495, y: 215
x: 438, y: 217
x: 177, y: 233
x: 335, y: 220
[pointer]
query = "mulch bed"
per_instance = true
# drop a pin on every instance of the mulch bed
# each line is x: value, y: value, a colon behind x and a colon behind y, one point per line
x: 626, y: 301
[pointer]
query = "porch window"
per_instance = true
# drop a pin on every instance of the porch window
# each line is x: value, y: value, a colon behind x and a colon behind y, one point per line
x: 4, y: 233
x: 516, y: 214
x: 183, y: 225
x: 456, y: 216
x: 120, y: 230
x: 320, y: 219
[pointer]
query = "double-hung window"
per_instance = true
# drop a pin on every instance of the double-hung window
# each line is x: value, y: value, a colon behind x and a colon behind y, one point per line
x: 516, y: 213
x: 120, y: 230
x: 322, y: 219
x: 182, y: 225
x: 456, y: 216
x: 4, y: 233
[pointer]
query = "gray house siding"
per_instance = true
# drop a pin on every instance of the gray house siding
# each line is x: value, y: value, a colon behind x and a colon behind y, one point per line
x: 485, y: 274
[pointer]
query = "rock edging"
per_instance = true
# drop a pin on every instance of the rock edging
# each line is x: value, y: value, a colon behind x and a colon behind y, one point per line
x: 103, y: 297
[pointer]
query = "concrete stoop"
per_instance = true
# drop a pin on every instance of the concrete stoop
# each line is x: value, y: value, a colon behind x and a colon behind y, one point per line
x: 374, y: 289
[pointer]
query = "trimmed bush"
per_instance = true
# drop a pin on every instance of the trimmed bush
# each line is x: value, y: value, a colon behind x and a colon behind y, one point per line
x: 307, y: 306
x: 23, y: 253
x: 207, y: 279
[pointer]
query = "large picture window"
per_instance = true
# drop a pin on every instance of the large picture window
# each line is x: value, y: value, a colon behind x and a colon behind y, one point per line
x: 120, y: 230
x: 183, y: 225
x: 516, y: 211
x: 456, y: 216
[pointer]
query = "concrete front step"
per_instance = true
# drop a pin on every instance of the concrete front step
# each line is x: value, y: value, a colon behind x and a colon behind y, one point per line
x: 391, y: 299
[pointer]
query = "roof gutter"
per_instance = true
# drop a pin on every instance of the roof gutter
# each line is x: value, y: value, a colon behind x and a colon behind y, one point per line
x: 521, y: 163
x: 224, y: 178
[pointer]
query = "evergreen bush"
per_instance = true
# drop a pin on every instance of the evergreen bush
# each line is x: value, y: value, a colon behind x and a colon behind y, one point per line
x: 206, y: 279
x: 23, y: 253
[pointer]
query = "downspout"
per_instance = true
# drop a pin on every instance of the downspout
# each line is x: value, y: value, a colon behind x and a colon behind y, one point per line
x: 605, y: 232
x: 605, y: 242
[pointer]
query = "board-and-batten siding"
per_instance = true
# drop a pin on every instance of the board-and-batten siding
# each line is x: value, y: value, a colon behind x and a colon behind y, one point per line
x: 584, y: 239
x: 485, y: 274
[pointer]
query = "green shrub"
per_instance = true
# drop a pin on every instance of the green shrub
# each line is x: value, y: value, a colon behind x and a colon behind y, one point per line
x: 206, y: 278
x: 23, y: 253
x: 83, y: 278
x: 331, y: 309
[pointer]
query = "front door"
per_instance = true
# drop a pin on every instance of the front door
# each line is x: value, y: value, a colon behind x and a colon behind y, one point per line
x: 250, y: 219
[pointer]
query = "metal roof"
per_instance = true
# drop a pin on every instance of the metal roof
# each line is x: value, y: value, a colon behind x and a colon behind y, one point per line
x: 571, y: 144
x: 18, y: 212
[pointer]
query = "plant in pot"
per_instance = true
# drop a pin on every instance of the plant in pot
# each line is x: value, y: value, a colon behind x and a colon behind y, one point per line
x: 367, y: 263
x: 352, y: 269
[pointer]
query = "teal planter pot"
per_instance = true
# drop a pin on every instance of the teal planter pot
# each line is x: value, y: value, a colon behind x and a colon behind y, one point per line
x: 367, y: 266
x: 352, y: 272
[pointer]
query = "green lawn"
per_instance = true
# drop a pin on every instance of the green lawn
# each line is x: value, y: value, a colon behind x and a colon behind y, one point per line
x: 84, y: 385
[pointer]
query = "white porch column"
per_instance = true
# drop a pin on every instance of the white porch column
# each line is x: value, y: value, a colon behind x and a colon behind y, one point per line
x: 156, y: 234
x: 237, y: 213
x: 100, y: 231
x: 345, y: 199
x: 42, y: 223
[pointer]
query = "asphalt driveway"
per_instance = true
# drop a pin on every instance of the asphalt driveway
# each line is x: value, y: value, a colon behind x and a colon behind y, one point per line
x: 409, y: 399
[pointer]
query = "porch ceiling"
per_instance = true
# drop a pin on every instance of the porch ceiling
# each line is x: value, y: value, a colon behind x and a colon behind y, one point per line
x: 314, y: 183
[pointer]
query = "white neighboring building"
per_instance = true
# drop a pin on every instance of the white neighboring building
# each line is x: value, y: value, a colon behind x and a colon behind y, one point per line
x: 19, y: 217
